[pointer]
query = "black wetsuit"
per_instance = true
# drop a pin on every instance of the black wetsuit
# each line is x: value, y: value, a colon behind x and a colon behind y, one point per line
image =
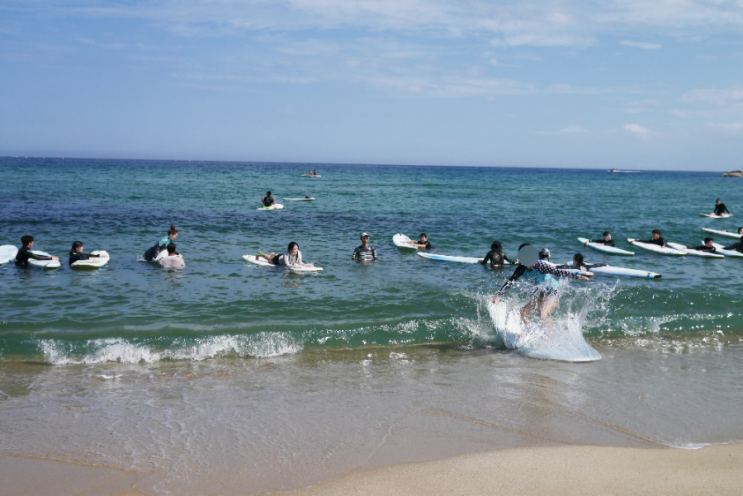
x: 268, y: 201
x: 24, y: 254
x: 497, y: 259
x: 76, y: 257
x: 602, y: 241
x: 721, y: 209
x: 704, y: 248
x: 660, y: 241
x: 737, y: 246
x: 427, y: 247
x: 364, y: 254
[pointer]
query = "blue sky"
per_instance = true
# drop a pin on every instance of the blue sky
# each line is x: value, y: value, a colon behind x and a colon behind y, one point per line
x: 626, y: 84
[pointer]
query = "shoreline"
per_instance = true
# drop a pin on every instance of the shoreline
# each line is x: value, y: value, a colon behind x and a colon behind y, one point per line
x: 554, y: 470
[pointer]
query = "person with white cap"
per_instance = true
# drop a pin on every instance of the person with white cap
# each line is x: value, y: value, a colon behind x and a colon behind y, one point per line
x: 540, y: 273
x: 364, y: 253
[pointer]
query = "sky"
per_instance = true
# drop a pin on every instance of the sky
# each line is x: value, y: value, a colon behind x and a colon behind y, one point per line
x: 517, y: 83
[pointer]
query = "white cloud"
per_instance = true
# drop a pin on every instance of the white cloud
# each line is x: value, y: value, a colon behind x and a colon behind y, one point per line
x: 732, y: 127
x: 567, y: 130
x: 728, y: 97
x: 493, y: 61
x: 641, y: 44
x: 637, y: 130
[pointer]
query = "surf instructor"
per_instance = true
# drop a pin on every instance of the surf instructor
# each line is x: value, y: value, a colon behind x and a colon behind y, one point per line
x: 539, y: 273
x: 496, y: 256
x: 161, y: 245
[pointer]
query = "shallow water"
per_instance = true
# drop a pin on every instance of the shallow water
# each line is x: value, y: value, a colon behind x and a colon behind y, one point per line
x: 273, y: 380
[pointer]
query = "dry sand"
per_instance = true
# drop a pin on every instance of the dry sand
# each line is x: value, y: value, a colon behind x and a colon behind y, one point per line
x: 570, y: 470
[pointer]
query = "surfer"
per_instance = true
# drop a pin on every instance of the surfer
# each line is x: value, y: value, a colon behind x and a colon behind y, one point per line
x: 161, y: 245
x: 364, y: 253
x: 708, y: 246
x: 292, y: 257
x: 25, y: 253
x: 739, y: 245
x: 315, y: 173
x: 541, y: 274
x: 720, y: 208
x: 607, y: 241
x: 544, y: 254
x: 268, y: 200
x: 422, y: 242
x: 496, y: 257
x: 76, y: 253
x: 657, y: 240
x: 173, y: 260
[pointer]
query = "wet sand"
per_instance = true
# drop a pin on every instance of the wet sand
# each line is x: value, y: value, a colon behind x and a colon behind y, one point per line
x: 544, y: 470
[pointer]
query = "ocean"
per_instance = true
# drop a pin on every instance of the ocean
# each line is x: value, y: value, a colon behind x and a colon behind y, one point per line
x: 288, y: 379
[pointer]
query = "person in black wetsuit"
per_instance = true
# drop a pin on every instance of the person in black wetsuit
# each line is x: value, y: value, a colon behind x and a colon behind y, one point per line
x: 423, y: 242
x: 24, y: 254
x: 364, y: 253
x: 76, y: 253
x: 268, y: 200
x: 657, y: 239
x: 720, y: 208
x: 607, y: 241
x: 540, y: 273
x: 708, y: 246
x: 739, y: 245
x: 496, y: 257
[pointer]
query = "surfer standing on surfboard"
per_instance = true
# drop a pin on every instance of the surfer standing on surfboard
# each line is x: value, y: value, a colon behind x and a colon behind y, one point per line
x: 539, y: 273
x: 720, y: 208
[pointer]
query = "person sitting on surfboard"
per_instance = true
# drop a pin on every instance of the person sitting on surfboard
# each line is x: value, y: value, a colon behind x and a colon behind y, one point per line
x: 496, y: 257
x: 657, y: 240
x: 607, y: 241
x: 76, y: 253
x: 268, y: 200
x: 423, y: 242
x: 24, y: 253
x: 364, y: 253
x: 161, y: 245
x: 173, y: 260
x: 292, y: 257
x: 720, y: 208
x: 539, y: 273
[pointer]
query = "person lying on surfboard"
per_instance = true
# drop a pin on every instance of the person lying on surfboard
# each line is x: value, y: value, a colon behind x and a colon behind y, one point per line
x: 268, y: 200
x: 541, y: 274
x: 708, y: 246
x: 24, y: 253
x: 76, y: 253
x: 720, y: 208
x: 739, y: 245
x: 657, y: 240
x: 423, y: 242
x: 496, y: 257
x: 606, y: 241
x: 292, y: 257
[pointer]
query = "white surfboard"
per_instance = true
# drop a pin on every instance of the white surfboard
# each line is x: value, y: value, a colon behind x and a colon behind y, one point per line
x: 620, y: 271
x: 265, y: 263
x: 728, y: 253
x: 694, y: 253
x: 713, y: 216
x: 447, y: 258
x: 534, y: 341
x: 93, y: 262
x: 401, y: 241
x: 275, y: 206
x: 611, y: 250
x: 723, y: 233
x: 43, y: 264
x: 311, y: 175
x: 7, y: 254
x: 299, y: 199
x: 660, y: 250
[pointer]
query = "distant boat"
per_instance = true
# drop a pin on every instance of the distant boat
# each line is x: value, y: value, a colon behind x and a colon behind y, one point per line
x: 614, y: 170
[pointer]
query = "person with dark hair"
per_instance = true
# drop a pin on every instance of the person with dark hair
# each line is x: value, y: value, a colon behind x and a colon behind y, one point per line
x: 268, y: 200
x: 496, y: 256
x: 606, y: 240
x: 292, y: 257
x: 422, y: 242
x: 708, y: 246
x: 364, y: 253
x: 76, y: 253
x: 173, y: 260
x: 27, y: 242
x: 541, y: 274
x: 657, y: 240
x: 739, y: 245
x: 578, y: 262
x: 161, y: 245
x: 720, y: 208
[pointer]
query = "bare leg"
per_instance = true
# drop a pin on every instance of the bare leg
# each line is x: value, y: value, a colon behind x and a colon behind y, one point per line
x: 527, y: 310
x: 547, y: 304
x: 268, y: 257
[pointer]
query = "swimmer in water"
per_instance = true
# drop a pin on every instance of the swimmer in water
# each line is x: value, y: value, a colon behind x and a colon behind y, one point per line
x: 541, y: 274
x: 496, y: 256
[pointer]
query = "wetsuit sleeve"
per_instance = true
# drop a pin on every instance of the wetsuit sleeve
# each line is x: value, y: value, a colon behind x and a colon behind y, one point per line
x: 355, y: 255
x: 164, y: 242
x: 516, y: 274
x: 374, y: 253
x: 544, y: 268
x: 508, y: 259
x: 37, y: 257
x: 704, y: 248
x: 299, y: 258
x: 488, y: 258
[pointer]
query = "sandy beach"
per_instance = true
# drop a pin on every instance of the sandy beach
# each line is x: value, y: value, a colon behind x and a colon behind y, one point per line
x: 561, y: 470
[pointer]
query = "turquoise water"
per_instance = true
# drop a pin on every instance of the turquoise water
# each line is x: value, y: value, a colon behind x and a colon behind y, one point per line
x: 219, y: 305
